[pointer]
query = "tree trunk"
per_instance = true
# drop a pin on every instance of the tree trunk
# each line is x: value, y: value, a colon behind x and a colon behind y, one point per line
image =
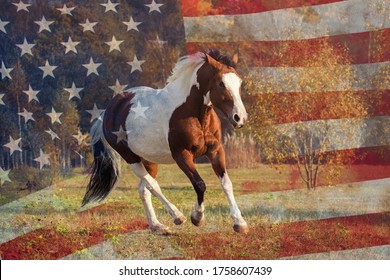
x: 20, y: 124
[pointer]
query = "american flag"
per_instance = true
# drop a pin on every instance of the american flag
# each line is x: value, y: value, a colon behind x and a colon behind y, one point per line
x: 61, y: 61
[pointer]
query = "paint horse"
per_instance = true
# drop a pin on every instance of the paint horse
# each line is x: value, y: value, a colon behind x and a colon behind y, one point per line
x: 178, y: 123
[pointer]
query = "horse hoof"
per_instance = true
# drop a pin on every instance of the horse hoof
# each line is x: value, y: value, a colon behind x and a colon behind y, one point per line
x: 241, y: 228
x: 180, y: 220
x: 197, y: 219
x: 160, y: 229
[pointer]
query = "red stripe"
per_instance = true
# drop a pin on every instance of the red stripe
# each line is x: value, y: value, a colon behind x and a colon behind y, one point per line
x: 364, y: 164
x: 357, y: 48
x: 290, y: 239
x: 92, y: 227
x: 356, y: 165
x: 380, y: 45
x: 350, y: 166
x: 321, y: 106
x: 370, y: 155
x: 335, y: 234
x: 196, y: 8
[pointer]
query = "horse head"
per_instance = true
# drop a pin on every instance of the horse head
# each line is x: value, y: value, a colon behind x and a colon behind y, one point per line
x: 225, y: 90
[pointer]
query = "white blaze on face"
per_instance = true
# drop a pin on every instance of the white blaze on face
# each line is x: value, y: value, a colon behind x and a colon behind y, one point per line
x: 233, y: 83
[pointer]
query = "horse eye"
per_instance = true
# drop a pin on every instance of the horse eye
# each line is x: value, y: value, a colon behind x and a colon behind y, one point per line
x: 221, y: 84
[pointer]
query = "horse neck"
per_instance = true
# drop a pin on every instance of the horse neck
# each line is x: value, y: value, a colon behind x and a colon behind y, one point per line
x: 194, y: 104
x: 187, y: 90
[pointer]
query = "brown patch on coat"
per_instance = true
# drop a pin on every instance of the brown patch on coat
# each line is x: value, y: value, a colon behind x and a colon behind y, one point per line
x: 115, y: 118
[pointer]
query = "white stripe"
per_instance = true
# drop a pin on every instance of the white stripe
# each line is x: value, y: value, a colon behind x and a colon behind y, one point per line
x: 328, y: 202
x: 107, y: 250
x: 370, y: 253
x: 308, y: 79
x: 291, y: 24
x: 101, y: 251
x: 343, y: 134
x: 36, y: 203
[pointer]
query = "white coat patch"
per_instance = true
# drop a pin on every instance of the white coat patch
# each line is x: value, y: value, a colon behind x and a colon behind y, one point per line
x: 147, y: 124
x: 207, y: 100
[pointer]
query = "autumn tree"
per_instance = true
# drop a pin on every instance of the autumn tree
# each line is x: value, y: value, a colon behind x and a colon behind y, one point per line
x: 307, y: 124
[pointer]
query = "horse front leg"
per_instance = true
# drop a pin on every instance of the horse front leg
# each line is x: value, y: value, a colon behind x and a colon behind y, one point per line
x: 185, y: 160
x: 217, y: 158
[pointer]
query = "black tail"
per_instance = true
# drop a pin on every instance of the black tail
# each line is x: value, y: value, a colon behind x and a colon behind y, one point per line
x: 104, y: 175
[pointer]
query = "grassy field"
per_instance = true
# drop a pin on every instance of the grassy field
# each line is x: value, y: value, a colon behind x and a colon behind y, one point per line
x: 280, y: 222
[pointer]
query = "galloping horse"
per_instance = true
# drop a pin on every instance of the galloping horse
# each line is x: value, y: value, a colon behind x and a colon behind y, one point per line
x: 178, y: 123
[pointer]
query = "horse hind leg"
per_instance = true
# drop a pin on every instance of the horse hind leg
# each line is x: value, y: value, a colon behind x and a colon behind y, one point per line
x: 148, y: 185
x: 146, y: 198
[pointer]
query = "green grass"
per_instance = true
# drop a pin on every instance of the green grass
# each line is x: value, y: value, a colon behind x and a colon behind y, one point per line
x: 175, y: 185
x: 67, y: 193
x: 59, y: 211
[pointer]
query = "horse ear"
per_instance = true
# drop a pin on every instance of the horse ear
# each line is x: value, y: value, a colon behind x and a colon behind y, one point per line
x: 212, y: 61
x: 235, y: 58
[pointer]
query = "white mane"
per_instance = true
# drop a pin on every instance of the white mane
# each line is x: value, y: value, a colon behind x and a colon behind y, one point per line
x: 185, y: 70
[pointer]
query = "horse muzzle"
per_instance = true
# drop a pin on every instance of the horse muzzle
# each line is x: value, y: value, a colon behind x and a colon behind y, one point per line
x: 238, y: 120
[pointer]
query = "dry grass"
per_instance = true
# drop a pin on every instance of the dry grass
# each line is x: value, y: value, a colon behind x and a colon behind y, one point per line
x: 241, y: 151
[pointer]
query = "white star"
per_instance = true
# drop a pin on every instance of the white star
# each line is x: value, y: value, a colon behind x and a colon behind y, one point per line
x: 47, y: 69
x: 26, y: 115
x: 4, y: 176
x: 21, y: 6
x: 54, y: 116
x: 70, y: 45
x: 44, y: 24
x: 13, y: 145
x: 114, y: 44
x: 131, y: 24
x: 74, y: 91
x: 43, y: 159
x: 139, y: 111
x: 32, y: 94
x: 1, y: 99
x: 121, y: 135
x: 88, y: 26
x: 154, y: 6
x: 80, y: 137
x: 25, y: 47
x: 95, y: 113
x: 66, y: 11
x: 4, y: 71
x: 92, y: 67
x: 110, y: 6
x: 118, y: 88
x: 136, y: 64
x: 53, y: 134
x: 158, y: 42
x: 2, y: 25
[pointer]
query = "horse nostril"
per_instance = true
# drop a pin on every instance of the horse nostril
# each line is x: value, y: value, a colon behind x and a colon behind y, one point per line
x: 236, y: 118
